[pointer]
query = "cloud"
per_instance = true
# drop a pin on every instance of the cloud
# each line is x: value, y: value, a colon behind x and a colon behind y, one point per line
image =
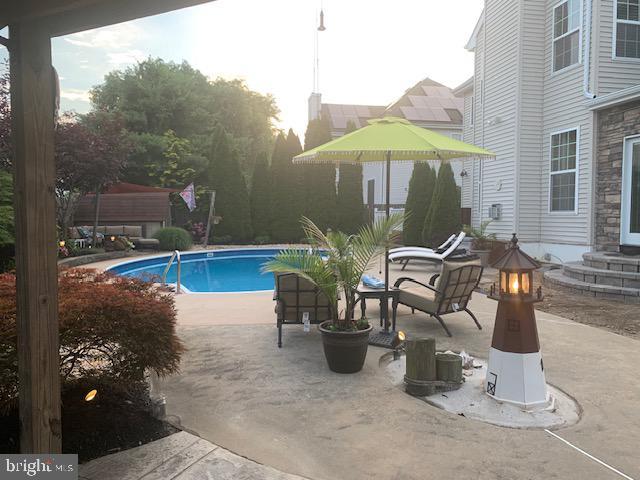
x: 113, y: 37
x: 125, y: 58
x: 75, y: 94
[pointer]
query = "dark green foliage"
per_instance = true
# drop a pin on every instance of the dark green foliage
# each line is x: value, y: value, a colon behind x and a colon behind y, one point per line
x: 319, y: 180
x: 232, y: 198
x: 6, y: 208
x: 173, y: 238
x: 350, y: 208
x: 285, y: 188
x: 443, y: 217
x: 261, y: 198
x: 421, y: 188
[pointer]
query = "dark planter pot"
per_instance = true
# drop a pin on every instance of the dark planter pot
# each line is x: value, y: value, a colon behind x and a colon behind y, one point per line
x: 483, y: 255
x: 345, y: 351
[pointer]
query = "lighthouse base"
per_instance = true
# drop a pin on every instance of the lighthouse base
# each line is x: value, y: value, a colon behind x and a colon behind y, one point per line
x: 517, y: 378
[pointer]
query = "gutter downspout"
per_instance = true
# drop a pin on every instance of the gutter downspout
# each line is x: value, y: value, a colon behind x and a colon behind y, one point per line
x: 588, y: 5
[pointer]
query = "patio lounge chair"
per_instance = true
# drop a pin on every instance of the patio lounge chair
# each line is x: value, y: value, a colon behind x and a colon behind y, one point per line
x: 294, y: 296
x: 442, y: 247
x: 447, y: 292
x: 420, y: 253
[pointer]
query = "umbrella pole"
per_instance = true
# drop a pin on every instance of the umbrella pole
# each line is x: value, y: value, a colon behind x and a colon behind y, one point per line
x: 386, y: 250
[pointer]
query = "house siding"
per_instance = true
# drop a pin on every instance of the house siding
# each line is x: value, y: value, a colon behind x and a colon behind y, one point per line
x: 467, y: 164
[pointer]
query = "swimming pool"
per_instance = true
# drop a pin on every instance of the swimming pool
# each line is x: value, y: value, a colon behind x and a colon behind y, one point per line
x: 233, y: 270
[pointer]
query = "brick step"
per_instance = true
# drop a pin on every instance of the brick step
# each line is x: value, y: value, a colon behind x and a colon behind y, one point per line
x: 612, y: 261
x: 625, y: 294
x: 601, y: 276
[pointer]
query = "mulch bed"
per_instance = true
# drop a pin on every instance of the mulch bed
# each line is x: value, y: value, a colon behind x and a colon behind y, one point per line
x: 115, y: 420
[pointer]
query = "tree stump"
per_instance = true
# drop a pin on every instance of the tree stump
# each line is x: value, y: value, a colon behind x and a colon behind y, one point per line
x: 421, y: 366
x: 449, y: 367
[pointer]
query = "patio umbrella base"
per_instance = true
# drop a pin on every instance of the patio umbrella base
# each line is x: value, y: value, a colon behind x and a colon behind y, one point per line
x: 382, y: 339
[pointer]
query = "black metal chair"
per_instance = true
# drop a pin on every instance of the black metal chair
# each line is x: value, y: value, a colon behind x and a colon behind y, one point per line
x: 294, y: 296
x: 447, y: 292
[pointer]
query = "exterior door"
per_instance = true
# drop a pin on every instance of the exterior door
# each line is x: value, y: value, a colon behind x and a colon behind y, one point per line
x: 630, y: 200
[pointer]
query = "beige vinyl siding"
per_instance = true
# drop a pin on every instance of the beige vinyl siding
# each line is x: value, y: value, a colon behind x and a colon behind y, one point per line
x: 564, y: 108
x: 467, y: 164
x: 500, y: 111
x: 530, y: 117
x: 612, y: 74
x: 478, y: 129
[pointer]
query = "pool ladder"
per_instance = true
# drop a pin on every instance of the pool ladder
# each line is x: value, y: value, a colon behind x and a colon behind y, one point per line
x: 174, y: 256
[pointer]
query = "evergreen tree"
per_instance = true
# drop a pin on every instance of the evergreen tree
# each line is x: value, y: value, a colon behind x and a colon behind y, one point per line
x: 421, y: 187
x: 294, y: 147
x: 443, y: 217
x: 285, y: 202
x: 261, y: 198
x: 350, y: 208
x: 319, y: 180
x: 232, y: 199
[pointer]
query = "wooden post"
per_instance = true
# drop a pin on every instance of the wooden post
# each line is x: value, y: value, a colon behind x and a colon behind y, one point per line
x: 449, y: 367
x: 421, y: 366
x: 32, y: 111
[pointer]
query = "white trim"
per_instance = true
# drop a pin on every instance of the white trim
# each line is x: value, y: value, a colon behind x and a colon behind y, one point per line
x: 566, y: 34
x: 576, y: 170
x: 614, y: 39
x: 626, y: 237
x: 614, y: 98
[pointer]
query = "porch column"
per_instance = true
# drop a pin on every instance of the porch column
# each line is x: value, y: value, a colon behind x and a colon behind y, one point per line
x: 32, y: 111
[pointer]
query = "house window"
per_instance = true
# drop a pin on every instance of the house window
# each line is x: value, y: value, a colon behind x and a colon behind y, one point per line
x: 627, y: 29
x: 566, y: 34
x: 564, y: 158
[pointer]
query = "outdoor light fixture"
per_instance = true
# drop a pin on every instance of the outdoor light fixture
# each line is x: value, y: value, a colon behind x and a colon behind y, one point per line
x: 398, y: 344
x: 62, y: 243
x: 113, y: 238
x: 516, y: 372
x: 91, y: 395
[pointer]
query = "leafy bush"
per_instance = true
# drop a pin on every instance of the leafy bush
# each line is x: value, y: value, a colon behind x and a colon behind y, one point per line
x: 262, y: 240
x: 222, y: 240
x: 112, y: 328
x: 80, y: 252
x: 173, y: 238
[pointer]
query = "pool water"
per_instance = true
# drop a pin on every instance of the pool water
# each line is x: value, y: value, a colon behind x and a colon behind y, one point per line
x: 219, y: 271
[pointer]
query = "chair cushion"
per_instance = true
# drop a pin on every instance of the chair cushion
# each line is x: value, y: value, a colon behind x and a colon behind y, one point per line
x: 418, y: 297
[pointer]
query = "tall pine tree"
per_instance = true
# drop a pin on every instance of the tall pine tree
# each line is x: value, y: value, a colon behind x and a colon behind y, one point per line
x: 261, y: 197
x: 232, y: 198
x: 421, y: 187
x: 319, y: 180
x: 285, y: 188
x: 443, y: 217
x: 350, y: 208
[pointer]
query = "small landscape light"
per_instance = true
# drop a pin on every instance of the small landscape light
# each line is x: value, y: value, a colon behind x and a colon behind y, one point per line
x: 62, y: 243
x: 113, y: 238
x: 91, y: 395
x: 398, y: 343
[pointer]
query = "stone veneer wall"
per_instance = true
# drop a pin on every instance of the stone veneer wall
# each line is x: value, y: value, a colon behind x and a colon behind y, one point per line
x: 614, y: 124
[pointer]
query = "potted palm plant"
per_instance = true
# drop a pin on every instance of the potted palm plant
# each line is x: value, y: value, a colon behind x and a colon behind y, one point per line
x: 482, y: 242
x: 335, y: 263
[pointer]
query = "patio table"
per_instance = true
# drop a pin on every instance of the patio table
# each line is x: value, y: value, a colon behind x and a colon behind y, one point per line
x: 365, y: 293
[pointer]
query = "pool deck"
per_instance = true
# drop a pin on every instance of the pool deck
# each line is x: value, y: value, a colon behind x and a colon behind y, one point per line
x: 284, y: 408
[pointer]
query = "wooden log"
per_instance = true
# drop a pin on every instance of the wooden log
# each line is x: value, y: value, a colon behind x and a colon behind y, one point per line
x: 32, y: 112
x: 421, y: 358
x: 449, y: 367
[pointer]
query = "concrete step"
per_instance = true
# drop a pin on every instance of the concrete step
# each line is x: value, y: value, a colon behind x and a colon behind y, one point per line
x: 612, y: 261
x: 601, y: 276
x: 625, y: 294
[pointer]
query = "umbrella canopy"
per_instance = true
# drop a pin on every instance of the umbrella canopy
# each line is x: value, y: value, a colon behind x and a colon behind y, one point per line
x: 391, y: 139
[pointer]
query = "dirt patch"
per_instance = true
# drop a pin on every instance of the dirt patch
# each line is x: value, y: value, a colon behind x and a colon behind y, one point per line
x: 617, y: 317
x: 115, y: 420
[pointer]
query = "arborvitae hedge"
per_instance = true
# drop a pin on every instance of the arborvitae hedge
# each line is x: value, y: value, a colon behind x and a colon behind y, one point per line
x: 421, y: 188
x: 443, y: 217
x: 285, y: 190
x: 261, y: 197
x: 232, y: 198
x: 319, y: 180
x: 350, y: 211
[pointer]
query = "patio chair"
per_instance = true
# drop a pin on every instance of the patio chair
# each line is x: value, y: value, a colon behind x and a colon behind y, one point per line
x: 405, y: 254
x: 447, y: 292
x: 294, y: 296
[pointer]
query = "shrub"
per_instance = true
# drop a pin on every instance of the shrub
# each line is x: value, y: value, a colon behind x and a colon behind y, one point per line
x: 222, y: 240
x: 173, y: 238
x: 81, y: 252
x: 421, y: 186
x: 262, y: 240
x: 112, y: 328
x: 443, y: 216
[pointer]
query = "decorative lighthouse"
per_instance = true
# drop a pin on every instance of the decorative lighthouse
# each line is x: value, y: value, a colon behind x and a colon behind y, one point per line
x: 516, y: 372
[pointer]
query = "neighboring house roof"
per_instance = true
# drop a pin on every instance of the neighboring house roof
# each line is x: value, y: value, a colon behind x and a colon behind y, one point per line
x: 428, y: 102
x: 471, y: 43
x: 125, y: 207
x: 339, y: 115
x: 463, y: 88
x: 124, y: 187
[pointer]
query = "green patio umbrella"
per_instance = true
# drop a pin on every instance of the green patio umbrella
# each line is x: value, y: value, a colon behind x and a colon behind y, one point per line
x: 390, y: 139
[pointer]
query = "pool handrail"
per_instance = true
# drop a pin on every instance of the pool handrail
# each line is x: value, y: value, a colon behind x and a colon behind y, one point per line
x: 174, y: 255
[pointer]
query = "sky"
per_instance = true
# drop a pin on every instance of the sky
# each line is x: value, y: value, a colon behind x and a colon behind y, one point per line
x: 371, y: 52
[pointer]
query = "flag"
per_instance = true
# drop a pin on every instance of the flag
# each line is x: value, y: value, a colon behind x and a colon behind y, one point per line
x: 189, y: 197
